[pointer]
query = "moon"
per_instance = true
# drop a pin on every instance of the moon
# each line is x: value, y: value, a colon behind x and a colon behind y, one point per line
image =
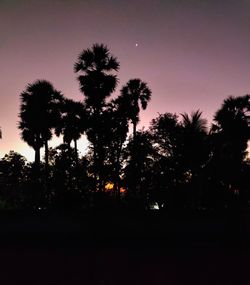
x: 136, y: 45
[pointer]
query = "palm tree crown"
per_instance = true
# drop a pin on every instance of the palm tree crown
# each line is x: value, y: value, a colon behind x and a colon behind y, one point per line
x: 234, y: 115
x: 194, y: 141
x: 136, y: 94
x: 194, y: 122
x: 232, y: 127
x: 97, y: 79
x: 39, y: 113
x: 72, y: 120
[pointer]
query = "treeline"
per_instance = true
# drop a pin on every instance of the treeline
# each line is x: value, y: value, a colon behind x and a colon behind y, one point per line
x: 177, y: 163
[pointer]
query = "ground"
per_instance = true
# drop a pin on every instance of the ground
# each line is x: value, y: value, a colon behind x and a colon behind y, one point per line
x: 127, y: 248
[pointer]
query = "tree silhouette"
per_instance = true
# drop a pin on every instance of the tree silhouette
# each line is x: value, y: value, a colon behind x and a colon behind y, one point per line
x: 97, y: 69
x: 181, y: 152
x: 139, y: 158
x: 69, y: 179
x: 230, y: 133
x: 39, y: 114
x: 72, y: 123
x: 115, y: 135
x: 135, y: 94
x: 194, y: 137
x: 195, y: 152
x: 232, y: 122
x: 13, y: 177
x: 166, y: 133
x: 194, y: 122
x: 165, y: 130
x: 97, y: 79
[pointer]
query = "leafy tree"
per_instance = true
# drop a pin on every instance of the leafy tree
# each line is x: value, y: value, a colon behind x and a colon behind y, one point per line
x: 68, y: 183
x: 165, y: 130
x: 139, y: 158
x: 166, y: 133
x: 115, y: 135
x: 182, y: 152
x: 13, y: 176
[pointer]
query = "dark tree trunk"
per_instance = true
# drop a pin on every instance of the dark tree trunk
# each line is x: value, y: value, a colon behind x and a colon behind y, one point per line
x: 37, y: 163
x: 46, y: 153
x: 46, y: 160
x: 76, y: 154
x: 37, y: 157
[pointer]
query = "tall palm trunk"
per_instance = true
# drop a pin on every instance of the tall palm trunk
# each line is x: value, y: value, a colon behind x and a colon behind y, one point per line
x: 46, y: 162
x: 134, y: 129
x: 37, y: 160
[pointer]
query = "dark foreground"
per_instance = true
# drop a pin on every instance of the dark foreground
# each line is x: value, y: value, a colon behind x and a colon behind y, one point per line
x: 125, y: 248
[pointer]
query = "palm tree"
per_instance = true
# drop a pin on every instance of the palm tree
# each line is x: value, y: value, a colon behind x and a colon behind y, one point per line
x: 233, y: 115
x: 230, y: 133
x: 97, y: 69
x: 72, y: 123
x: 232, y: 122
x: 194, y: 122
x: 137, y: 94
x: 194, y: 153
x: 97, y: 78
x: 39, y: 113
x: 194, y: 134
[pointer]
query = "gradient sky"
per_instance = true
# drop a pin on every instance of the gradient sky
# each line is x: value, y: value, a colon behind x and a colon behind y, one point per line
x: 192, y: 53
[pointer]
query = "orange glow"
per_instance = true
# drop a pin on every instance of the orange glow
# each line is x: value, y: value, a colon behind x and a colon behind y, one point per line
x: 110, y: 187
x: 122, y: 190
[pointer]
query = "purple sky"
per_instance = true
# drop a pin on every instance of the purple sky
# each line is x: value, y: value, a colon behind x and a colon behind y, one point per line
x: 192, y: 53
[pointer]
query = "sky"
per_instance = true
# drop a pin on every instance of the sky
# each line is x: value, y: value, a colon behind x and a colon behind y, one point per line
x: 192, y: 53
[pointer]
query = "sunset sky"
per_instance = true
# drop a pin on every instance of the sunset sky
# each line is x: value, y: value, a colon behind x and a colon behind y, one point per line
x: 192, y: 53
